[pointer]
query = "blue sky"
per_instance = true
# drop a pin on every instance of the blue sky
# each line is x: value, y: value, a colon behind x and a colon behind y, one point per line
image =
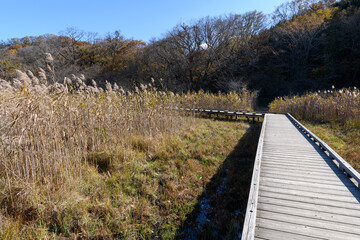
x: 137, y: 19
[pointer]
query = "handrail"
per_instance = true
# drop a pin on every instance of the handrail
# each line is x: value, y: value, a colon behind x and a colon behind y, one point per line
x: 250, y: 217
x: 343, y: 165
x: 224, y: 111
x: 248, y: 232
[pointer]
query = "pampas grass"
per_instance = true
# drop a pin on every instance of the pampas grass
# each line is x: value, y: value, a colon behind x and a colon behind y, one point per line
x: 62, y: 138
x: 47, y: 128
x: 338, y: 106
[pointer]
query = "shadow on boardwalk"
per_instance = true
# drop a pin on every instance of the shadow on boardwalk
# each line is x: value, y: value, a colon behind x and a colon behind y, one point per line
x: 220, y: 211
x: 353, y: 189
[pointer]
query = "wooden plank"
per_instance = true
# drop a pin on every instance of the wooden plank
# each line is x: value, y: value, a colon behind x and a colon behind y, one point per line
x: 339, y: 210
x: 305, y: 221
x: 308, y: 184
x: 310, y: 188
x: 299, y: 161
x: 292, y: 159
x: 306, y: 172
x: 296, y: 155
x: 298, y: 166
x: 270, y: 234
x: 290, y: 145
x: 353, y: 222
x: 322, y: 169
x: 304, y: 175
x: 341, y: 198
x: 312, y: 200
x: 308, y: 179
x: 298, y: 158
x: 306, y: 230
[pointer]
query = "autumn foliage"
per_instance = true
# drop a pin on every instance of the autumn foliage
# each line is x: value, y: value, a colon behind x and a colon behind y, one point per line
x: 309, y: 45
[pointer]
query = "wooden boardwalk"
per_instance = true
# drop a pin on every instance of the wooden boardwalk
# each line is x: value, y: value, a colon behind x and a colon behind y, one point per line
x: 225, y: 113
x: 299, y: 189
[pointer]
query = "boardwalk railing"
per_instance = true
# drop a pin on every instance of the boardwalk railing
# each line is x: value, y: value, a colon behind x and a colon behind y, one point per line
x: 300, y: 188
x: 296, y: 204
x: 342, y: 164
x: 250, y: 217
x: 225, y: 112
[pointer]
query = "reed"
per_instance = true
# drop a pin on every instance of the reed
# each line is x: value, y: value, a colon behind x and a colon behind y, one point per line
x: 78, y: 160
x: 341, y: 106
x: 242, y: 99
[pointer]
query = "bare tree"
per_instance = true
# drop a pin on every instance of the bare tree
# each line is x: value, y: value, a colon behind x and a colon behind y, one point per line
x: 112, y: 43
x: 196, y: 53
x: 70, y: 39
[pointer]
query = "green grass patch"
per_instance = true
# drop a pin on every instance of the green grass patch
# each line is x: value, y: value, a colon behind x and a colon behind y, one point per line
x: 223, y: 202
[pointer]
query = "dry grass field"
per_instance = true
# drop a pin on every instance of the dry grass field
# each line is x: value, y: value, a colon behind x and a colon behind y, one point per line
x: 78, y: 161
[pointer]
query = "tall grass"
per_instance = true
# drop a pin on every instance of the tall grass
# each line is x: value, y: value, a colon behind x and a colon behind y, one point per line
x: 46, y: 131
x: 332, y: 106
x: 241, y: 100
x: 48, y: 135
x: 75, y: 156
x: 50, y: 143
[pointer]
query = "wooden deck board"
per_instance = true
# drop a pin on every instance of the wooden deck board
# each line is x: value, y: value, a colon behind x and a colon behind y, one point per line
x: 307, y: 179
x: 312, y: 214
x: 270, y: 234
x: 298, y: 167
x: 323, y: 224
x: 309, y: 184
x: 306, y: 172
x: 339, y: 210
x: 301, y: 171
x: 305, y: 163
x: 301, y: 193
x: 306, y: 199
x: 307, y: 188
x: 305, y: 230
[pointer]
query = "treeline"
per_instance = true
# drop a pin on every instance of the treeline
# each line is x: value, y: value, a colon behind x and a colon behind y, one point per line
x: 304, y: 45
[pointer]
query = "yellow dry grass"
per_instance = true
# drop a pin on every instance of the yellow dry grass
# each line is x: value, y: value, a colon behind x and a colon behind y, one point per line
x: 340, y: 106
x: 101, y: 165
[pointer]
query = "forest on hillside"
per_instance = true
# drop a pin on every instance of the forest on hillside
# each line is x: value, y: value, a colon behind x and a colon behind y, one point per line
x: 90, y: 144
x: 303, y: 45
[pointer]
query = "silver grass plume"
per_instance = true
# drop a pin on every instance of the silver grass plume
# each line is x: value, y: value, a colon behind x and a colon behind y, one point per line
x: 34, y: 80
x: 49, y: 60
x: 23, y: 78
x: 94, y: 83
x: 116, y: 87
x: 108, y: 87
x: 42, y: 76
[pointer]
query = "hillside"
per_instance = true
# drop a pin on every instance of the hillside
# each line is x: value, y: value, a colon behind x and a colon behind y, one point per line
x: 95, y: 142
x: 304, y: 45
